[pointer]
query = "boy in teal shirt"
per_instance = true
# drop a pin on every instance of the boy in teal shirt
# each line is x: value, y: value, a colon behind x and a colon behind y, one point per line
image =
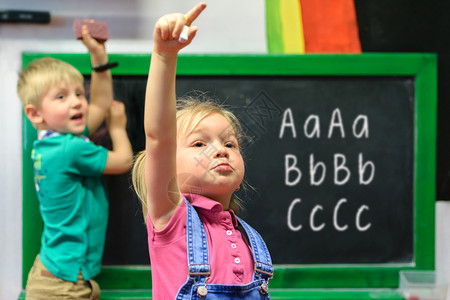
x: 68, y: 169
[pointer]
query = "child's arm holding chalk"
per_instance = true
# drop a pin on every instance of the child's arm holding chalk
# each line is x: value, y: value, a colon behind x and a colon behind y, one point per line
x: 101, y: 92
x: 163, y: 196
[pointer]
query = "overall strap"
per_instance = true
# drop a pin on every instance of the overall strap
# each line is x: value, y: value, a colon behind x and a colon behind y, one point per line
x: 197, y: 247
x: 261, y: 255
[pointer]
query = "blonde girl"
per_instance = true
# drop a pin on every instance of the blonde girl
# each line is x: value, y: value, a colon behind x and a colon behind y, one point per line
x: 186, y: 178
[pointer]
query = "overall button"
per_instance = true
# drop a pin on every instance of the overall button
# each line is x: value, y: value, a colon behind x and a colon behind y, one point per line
x: 202, y: 292
x: 264, y: 288
x: 237, y: 260
x: 229, y: 232
x: 233, y: 246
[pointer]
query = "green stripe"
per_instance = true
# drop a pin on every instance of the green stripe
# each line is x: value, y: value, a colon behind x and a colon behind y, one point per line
x: 32, y: 222
x: 275, y: 294
x: 274, y: 27
x: 425, y: 158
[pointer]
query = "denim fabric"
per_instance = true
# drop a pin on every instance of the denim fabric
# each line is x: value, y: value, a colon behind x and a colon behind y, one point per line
x: 199, y: 269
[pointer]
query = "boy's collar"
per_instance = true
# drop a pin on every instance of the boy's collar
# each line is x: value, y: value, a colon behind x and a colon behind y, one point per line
x: 43, y: 134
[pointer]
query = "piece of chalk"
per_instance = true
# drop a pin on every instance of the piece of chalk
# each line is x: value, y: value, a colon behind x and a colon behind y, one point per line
x: 184, y: 35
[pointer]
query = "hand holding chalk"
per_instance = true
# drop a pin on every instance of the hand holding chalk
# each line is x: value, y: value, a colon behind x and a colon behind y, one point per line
x: 173, y: 32
x: 190, y: 16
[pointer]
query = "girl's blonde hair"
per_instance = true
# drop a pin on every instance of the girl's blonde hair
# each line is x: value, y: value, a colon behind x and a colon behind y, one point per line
x: 40, y: 75
x: 190, y: 112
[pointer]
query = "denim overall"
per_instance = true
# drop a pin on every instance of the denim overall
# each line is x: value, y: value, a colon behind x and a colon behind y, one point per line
x: 196, y: 286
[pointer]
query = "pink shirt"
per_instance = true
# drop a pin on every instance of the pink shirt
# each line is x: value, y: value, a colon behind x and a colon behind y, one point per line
x: 230, y: 257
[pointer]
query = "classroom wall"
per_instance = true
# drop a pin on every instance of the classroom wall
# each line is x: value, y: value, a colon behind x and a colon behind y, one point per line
x: 223, y: 28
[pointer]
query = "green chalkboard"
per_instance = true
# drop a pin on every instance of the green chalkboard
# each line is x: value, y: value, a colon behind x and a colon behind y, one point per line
x: 340, y: 152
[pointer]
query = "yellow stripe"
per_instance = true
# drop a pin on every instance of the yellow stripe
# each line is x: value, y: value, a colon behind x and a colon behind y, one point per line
x: 293, y: 38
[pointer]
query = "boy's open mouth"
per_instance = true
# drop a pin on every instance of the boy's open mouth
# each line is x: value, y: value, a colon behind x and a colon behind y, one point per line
x: 77, y: 116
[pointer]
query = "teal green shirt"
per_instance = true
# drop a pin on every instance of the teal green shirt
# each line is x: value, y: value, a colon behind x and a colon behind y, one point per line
x: 73, y: 204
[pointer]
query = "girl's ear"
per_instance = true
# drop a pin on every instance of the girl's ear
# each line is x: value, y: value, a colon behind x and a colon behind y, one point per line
x: 33, y: 114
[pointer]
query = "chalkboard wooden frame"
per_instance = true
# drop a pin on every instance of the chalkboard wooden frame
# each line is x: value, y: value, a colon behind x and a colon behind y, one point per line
x: 421, y: 66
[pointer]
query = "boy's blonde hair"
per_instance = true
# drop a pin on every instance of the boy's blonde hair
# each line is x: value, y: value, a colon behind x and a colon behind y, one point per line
x: 40, y: 75
x: 190, y: 112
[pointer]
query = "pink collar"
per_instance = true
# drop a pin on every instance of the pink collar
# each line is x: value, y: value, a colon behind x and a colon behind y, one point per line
x: 209, y: 206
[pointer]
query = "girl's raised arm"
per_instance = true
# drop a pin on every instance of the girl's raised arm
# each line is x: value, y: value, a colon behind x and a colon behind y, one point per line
x: 163, y: 195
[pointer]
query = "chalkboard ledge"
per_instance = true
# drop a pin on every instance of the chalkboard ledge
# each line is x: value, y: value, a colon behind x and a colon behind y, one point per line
x: 275, y: 294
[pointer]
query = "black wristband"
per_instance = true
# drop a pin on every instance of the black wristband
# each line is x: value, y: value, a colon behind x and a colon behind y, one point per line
x: 107, y: 66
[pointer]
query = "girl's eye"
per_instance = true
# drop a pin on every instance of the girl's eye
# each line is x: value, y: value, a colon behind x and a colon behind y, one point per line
x: 60, y: 97
x: 198, y: 144
x: 230, y: 145
x: 79, y: 95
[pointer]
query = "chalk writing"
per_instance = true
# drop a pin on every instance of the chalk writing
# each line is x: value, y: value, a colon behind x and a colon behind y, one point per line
x: 317, y: 170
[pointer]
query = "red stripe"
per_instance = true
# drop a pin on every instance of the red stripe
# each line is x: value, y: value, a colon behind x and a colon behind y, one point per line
x: 330, y: 26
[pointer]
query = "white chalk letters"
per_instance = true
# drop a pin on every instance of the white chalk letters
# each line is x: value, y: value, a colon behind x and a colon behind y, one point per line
x: 315, y: 172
